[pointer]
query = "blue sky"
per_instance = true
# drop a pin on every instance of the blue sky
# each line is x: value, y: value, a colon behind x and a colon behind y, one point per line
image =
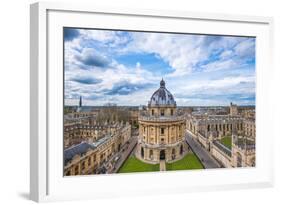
x: 123, y: 67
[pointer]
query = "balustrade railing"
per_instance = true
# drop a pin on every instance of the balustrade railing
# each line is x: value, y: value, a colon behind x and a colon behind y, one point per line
x: 161, y: 118
x: 159, y: 145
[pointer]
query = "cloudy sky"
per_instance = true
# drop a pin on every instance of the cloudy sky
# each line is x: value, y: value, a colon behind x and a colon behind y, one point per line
x: 126, y: 67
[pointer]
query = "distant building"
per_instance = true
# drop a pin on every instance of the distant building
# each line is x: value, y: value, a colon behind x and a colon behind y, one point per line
x: 80, y: 104
x: 250, y: 127
x: 75, y: 133
x: 209, y: 130
x: 233, y: 109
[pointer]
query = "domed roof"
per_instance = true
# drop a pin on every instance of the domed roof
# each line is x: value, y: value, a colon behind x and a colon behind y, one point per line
x: 162, y: 96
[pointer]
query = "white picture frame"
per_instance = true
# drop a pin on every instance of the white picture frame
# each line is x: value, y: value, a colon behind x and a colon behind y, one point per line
x: 46, y: 177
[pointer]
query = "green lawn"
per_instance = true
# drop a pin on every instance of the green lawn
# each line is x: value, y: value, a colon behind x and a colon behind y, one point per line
x: 190, y: 161
x: 132, y: 164
x: 226, y: 141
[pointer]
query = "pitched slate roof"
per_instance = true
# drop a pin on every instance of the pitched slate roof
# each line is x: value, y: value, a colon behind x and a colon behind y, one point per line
x: 79, y: 149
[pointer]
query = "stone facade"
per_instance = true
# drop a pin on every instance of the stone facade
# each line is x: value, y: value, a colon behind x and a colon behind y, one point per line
x: 161, y: 129
x: 243, y: 151
x: 208, y: 130
x: 74, y: 133
x: 249, y: 127
x: 233, y: 110
x: 222, y: 155
x: 214, y: 126
x: 88, y: 157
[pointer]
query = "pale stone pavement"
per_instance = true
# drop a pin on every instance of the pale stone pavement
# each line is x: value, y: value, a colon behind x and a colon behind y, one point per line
x: 205, y: 157
x: 162, y: 165
x: 125, y: 154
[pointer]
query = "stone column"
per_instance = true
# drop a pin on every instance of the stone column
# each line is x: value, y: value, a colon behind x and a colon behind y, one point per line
x: 168, y: 140
x: 156, y: 134
x: 177, y: 133
x: 147, y: 127
x: 148, y: 133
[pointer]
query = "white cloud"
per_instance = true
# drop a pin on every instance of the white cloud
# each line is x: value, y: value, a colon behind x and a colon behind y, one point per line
x: 226, y: 86
x: 104, y: 36
x: 245, y: 48
x: 226, y: 54
x: 91, y: 57
x: 181, y: 52
x: 220, y: 65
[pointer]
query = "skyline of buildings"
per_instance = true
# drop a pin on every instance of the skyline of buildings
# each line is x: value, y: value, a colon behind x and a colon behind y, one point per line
x: 158, y: 137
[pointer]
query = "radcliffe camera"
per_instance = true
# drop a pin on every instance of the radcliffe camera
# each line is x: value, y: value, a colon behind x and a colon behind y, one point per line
x: 143, y: 101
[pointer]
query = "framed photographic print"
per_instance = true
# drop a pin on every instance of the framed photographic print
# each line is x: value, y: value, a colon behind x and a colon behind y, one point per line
x: 157, y: 99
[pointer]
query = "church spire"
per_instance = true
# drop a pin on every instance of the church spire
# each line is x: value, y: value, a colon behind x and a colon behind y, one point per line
x: 80, y: 101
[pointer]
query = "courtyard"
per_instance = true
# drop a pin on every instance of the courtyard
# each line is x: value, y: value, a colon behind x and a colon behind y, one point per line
x: 132, y: 164
x: 189, y: 162
x: 226, y: 141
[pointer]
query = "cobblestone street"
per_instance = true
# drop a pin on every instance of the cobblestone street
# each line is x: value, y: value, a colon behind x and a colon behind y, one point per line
x: 162, y: 165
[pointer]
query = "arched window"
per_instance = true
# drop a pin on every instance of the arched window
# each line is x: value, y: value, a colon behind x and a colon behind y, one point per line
x: 181, y: 150
x: 172, y: 112
x: 162, y: 112
x: 151, y: 154
x: 162, y: 155
x: 142, y: 153
x: 173, y: 154
x: 76, y: 171
x: 152, y: 112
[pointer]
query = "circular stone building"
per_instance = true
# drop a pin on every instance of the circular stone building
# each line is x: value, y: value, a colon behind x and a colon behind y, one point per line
x: 161, y: 129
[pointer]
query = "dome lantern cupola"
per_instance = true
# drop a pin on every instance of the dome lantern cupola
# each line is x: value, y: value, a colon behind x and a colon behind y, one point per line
x: 162, y: 96
x: 162, y: 83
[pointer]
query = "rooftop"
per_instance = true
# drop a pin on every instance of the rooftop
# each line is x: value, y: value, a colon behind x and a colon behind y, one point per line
x: 162, y: 96
x: 79, y: 149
